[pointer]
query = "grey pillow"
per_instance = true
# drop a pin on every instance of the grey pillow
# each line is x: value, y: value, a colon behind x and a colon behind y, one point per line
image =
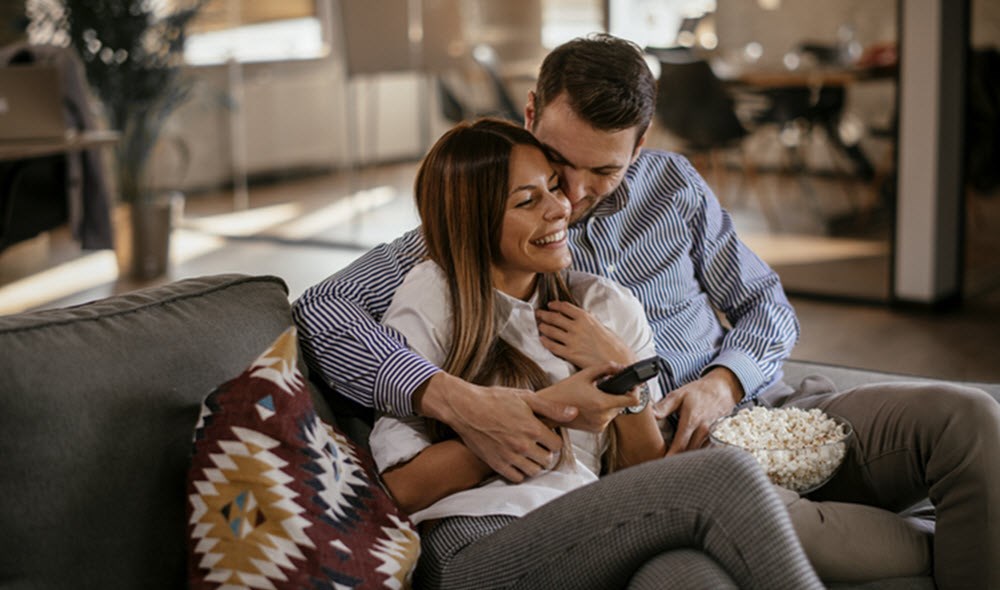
x: 98, y: 405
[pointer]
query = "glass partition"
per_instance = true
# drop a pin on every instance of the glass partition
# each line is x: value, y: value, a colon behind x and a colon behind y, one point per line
x: 982, y: 225
x: 806, y: 165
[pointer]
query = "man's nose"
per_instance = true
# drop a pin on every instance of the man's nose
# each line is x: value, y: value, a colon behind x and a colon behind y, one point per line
x: 573, y: 184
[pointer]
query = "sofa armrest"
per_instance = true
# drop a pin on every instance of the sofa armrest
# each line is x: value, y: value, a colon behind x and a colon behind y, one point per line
x: 98, y: 405
x: 848, y: 377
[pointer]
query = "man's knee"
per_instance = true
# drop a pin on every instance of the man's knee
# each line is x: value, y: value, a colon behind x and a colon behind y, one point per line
x: 853, y: 543
x: 965, y: 416
x: 976, y: 408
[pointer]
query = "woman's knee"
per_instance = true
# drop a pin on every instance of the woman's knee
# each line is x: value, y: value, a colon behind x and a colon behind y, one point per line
x: 734, y: 467
x: 681, y: 568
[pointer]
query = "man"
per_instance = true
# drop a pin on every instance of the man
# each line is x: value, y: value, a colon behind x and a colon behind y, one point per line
x: 648, y: 220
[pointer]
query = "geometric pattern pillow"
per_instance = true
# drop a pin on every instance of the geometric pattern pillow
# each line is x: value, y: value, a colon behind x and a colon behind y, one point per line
x: 280, y: 499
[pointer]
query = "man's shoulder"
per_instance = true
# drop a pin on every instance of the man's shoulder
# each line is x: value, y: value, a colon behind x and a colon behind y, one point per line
x: 663, y: 175
x: 653, y: 158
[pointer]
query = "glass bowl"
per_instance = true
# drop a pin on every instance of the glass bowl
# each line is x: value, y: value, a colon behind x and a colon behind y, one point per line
x: 800, y: 450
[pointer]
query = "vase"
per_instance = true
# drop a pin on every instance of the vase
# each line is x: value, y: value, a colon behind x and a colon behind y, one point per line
x: 142, y: 240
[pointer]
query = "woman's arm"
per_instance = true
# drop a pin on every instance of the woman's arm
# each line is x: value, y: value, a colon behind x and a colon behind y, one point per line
x: 614, y: 327
x: 440, y: 470
x: 639, y: 438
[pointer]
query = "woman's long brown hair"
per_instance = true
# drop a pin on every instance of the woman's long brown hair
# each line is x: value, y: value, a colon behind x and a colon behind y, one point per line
x: 461, y: 194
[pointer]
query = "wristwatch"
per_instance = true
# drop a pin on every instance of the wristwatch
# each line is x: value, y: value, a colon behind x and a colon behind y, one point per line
x: 643, y: 401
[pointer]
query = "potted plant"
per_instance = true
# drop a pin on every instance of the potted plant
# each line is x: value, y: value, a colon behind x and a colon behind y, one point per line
x: 133, y: 55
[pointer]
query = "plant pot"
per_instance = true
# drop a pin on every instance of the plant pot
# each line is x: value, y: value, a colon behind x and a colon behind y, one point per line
x: 142, y: 241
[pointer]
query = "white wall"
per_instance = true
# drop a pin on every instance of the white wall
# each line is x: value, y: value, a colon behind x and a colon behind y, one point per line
x: 293, y: 116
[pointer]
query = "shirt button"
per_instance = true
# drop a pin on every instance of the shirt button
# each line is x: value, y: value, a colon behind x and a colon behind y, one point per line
x: 390, y: 408
x: 612, y: 268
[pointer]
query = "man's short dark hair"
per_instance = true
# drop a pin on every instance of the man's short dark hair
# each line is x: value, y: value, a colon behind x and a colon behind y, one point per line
x: 606, y: 80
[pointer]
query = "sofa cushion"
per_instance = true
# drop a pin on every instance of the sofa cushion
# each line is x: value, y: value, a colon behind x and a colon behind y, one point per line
x: 280, y: 499
x: 97, y: 406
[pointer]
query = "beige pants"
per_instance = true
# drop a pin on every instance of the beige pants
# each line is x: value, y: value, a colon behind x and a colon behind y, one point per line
x: 912, y: 441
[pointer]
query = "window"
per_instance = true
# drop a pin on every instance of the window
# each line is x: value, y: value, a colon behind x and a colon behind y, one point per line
x: 256, y: 31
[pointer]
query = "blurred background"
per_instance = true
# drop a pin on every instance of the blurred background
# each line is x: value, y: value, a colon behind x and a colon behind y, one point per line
x: 293, y: 144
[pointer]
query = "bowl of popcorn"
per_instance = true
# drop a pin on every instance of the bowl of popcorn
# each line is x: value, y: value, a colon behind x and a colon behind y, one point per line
x: 798, y: 449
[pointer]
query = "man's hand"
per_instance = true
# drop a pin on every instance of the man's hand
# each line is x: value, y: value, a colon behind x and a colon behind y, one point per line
x: 596, y: 409
x: 498, y: 424
x: 573, y: 334
x: 700, y: 403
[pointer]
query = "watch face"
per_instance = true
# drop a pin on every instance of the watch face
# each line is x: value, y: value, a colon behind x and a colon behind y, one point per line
x: 643, y: 400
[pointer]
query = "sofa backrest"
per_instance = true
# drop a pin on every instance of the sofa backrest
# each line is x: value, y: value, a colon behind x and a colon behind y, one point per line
x: 98, y: 404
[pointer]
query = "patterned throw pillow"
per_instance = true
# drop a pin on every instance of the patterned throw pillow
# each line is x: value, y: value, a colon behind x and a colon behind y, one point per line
x: 279, y: 499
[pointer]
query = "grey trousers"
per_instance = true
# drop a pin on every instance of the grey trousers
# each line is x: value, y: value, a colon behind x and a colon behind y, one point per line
x: 714, y: 504
x: 911, y: 441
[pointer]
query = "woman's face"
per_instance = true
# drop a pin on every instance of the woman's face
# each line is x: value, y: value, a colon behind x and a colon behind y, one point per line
x: 533, y: 235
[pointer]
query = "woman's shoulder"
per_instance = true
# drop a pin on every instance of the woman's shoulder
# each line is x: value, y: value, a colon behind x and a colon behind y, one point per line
x: 614, y: 306
x: 425, y: 274
x: 424, y: 291
x: 420, y: 311
x: 590, y: 290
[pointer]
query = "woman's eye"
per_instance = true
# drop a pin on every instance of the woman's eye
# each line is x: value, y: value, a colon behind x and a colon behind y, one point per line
x: 525, y: 202
x: 555, y: 188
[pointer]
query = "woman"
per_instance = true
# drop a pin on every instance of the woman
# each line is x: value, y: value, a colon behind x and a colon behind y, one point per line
x: 494, y: 221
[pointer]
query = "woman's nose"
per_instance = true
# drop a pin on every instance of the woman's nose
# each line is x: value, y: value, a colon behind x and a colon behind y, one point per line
x: 557, y: 206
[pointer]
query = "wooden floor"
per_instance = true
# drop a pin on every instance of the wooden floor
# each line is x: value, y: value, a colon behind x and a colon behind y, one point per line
x: 304, y: 229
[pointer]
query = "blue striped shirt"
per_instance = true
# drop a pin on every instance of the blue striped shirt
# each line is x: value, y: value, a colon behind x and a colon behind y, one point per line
x: 662, y: 234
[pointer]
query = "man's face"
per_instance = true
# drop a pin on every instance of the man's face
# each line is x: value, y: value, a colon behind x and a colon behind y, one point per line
x: 591, y: 163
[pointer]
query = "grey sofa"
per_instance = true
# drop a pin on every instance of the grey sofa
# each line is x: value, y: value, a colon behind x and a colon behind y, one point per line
x: 97, y: 407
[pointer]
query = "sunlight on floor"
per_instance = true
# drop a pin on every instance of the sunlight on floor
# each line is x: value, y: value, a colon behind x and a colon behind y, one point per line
x: 343, y: 210
x: 91, y: 270
x: 778, y: 249
x: 244, y: 223
x: 194, y: 238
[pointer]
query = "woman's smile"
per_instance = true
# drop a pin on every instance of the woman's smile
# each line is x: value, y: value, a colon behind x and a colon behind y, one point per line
x: 556, y: 238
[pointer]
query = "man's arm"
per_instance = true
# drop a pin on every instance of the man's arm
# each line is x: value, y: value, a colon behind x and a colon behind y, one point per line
x: 342, y: 339
x: 763, y: 324
x: 498, y: 424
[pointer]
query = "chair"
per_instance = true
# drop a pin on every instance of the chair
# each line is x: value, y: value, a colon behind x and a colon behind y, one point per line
x: 807, y: 107
x: 452, y: 108
x: 484, y: 62
x: 694, y: 106
x: 486, y: 57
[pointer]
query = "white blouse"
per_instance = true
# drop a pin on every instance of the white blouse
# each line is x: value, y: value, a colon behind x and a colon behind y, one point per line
x: 421, y: 312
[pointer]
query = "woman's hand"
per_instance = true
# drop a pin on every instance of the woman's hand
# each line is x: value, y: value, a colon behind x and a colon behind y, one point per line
x: 574, y: 335
x: 596, y: 409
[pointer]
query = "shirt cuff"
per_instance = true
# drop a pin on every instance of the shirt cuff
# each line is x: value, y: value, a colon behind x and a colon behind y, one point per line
x: 744, y: 367
x: 398, y: 377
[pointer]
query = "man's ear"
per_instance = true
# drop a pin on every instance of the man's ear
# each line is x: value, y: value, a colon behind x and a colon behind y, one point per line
x: 639, y: 144
x: 529, y: 111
